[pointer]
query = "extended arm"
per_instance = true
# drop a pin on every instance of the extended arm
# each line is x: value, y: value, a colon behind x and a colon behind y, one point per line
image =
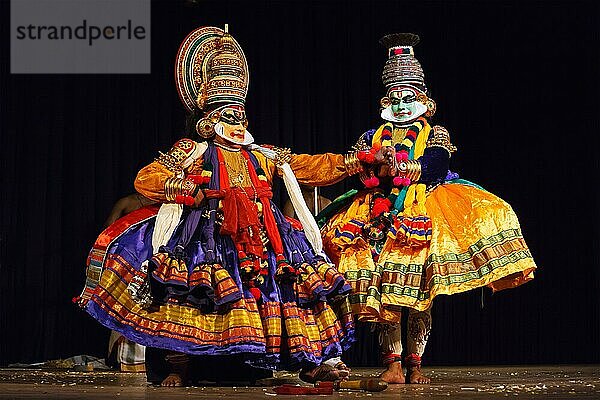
x: 314, y: 170
x: 319, y: 169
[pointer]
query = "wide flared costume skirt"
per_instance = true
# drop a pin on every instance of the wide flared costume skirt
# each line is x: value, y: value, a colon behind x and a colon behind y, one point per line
x: 476, y: 241
x: 204, y: 309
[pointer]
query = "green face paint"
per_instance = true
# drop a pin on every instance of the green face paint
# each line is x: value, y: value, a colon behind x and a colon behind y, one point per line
x: 405, y: 107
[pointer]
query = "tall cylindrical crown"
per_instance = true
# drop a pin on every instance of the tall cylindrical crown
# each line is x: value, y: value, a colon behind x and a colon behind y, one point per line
x: 401, y: 67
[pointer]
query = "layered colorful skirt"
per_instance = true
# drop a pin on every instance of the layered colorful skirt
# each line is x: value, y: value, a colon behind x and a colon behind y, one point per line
x: 205, y: 308
x: 476, y: 241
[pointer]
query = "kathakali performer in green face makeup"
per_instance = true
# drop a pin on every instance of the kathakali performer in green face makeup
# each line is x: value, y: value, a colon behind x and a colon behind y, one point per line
x: 415, y: 230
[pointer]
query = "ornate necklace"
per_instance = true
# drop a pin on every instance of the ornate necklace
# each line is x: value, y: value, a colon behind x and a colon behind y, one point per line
x: 225, y: 147
x: 236, y: 165
x: 398, y: 134
x: 237, y: 168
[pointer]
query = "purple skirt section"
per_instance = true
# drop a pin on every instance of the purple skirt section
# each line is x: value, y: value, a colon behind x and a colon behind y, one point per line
x: 189, y: 289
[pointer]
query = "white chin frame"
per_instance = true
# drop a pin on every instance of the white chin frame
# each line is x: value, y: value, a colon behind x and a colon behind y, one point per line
x: 388, y: 115
x: 248, y: 139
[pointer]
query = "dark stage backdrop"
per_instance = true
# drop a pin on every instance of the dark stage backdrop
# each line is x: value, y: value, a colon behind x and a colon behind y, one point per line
x: 516, y: 84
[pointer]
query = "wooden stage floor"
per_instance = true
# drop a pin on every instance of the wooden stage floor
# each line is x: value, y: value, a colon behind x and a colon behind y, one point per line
x: 541, y: 382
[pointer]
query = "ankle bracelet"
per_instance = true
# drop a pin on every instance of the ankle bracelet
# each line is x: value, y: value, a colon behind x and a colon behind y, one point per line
x: 389, y: 358
x: 413, y: 360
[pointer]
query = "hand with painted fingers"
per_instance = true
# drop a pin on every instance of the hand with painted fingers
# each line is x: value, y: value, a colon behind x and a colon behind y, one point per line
x: 386, y: 170
x: 387, y: 157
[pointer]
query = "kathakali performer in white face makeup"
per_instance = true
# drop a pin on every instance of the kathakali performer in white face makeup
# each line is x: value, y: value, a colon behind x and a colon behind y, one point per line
x: 416, y: 230
x: 215, y: 268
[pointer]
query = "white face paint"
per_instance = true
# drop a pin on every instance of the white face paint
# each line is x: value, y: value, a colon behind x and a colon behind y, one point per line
x: 237, y: 137
x: 232, y: 126
x: 404, y: 107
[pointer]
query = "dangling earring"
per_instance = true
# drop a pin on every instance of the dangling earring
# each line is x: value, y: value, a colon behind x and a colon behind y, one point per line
x: 431, y: 107
x: 385, y: 102
x: 205, y: 128
x: 427, y: 102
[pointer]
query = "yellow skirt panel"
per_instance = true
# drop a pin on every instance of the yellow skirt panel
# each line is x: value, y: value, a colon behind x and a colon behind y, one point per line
x: 476, y: 241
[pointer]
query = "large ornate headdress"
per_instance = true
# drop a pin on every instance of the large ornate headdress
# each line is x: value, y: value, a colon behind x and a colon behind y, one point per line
x: 211, y: 70
x: 402, y: 69
x: 211, y: 74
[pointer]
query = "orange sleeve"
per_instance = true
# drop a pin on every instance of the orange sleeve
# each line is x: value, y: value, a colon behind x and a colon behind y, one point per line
x: 150, y: 181
x: 319, y: 169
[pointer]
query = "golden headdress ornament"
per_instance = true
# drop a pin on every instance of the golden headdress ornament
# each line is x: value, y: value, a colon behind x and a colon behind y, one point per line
x: 211, y: 70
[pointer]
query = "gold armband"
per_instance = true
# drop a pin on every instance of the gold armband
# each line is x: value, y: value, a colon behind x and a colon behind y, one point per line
x: 440, y: 137
x: 169, y: 161
x: 284, y: 155
x: 361, y: 143
x: 352, y: 163
x: 178, y: 187
x: 175, y: 158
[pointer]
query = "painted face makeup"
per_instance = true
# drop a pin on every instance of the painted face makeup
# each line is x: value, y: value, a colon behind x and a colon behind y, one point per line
x: 404, y: 107
x: 232, y: 126
x: 234, y: 116
x: 234, y: 123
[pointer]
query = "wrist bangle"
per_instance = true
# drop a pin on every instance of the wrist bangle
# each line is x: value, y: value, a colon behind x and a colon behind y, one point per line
x: 178, y: 187
x: 410, y: 169
x: 352, y: 163
x: 414, y: 170
x: 169, y: 192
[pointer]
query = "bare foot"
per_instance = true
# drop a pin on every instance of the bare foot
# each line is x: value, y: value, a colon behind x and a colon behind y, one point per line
x: 415, y: 376
x: 323, y: 372
x: 393, y: 373
x: 172, y: 380
x: 343, y: 370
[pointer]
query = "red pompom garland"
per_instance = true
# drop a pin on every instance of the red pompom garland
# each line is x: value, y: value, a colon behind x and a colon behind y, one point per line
x: 401, y: 155
x: 198, y: 179
x: 367, y: 156
x: 401, y: 181
x: 381, y: 205
x: 185, y: 200
x: 371, y: 182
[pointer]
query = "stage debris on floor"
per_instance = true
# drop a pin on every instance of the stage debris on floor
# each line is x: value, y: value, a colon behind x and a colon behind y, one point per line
x: 572, y: 381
